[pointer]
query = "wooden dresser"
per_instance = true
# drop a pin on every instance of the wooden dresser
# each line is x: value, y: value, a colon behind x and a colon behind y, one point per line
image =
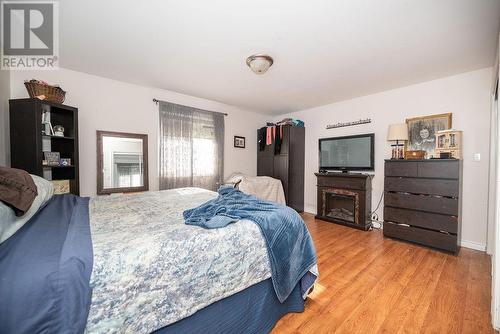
x: 423, y: 202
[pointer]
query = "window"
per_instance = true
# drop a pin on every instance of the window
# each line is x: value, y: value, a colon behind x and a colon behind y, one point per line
x: 191, y: 147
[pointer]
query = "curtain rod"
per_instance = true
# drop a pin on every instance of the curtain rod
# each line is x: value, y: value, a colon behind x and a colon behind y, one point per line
x: 158, y: 101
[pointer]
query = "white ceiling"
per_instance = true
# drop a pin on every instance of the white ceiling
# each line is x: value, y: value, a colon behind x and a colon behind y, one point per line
x: 324, y: 51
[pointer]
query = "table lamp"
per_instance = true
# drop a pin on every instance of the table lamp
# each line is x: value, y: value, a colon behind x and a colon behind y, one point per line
x: 397, y: 132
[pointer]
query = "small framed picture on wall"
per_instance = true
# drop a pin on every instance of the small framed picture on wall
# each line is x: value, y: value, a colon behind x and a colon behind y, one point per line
x: 239, y: 142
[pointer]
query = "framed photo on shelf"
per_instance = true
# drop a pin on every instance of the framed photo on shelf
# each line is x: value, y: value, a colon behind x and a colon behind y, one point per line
x: 422, y: 132
x: 239, y: 142
x: 52, y: 158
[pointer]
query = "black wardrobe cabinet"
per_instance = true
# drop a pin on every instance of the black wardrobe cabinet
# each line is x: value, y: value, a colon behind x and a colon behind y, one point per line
x: 287, y: 165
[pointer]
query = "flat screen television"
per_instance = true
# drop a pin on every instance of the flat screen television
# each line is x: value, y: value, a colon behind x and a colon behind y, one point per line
x: 347, y: 153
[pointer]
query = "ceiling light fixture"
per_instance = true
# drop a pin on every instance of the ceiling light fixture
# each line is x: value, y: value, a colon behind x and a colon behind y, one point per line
x: 259, y: 63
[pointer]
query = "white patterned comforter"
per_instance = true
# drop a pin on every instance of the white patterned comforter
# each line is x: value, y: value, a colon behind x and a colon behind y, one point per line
x: 150, y: 269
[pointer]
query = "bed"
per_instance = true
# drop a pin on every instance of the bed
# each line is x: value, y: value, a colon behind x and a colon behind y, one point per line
x: 129, y: 264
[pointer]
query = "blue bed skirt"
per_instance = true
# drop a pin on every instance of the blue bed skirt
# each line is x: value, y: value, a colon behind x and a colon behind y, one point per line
x: 253, y: 310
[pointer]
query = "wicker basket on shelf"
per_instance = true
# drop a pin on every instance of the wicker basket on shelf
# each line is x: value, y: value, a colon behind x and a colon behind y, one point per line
x: 50, y: 93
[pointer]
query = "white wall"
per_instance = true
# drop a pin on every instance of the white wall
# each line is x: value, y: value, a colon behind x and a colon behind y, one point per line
x: 105, y: 104
x: 4, y: 117
x: 466, y: 95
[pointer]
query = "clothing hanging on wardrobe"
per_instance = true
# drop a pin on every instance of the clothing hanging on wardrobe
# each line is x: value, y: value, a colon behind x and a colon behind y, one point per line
x: 278, y: 139
x: 267, y: 134
x: 261, y: 138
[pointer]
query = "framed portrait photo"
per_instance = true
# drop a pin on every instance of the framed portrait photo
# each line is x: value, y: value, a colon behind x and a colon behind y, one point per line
x: 239, y: 142
x: 422, y: 132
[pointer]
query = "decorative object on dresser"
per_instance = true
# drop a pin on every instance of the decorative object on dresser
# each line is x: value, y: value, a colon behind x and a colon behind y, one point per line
x: 397, y: 133
x: 449, y: 144
x: 283, y: 159
x: 345, y: 198
x: 29, y: 139
x: 422, y: 132
x: 239, y: 141
x: 423, y: 202
x: 415, y: 155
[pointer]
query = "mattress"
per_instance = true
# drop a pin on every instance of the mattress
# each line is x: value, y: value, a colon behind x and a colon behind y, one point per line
x: 150, y: 269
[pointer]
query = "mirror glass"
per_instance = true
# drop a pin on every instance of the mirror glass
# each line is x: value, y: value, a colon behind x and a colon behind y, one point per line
x: 122, y: 162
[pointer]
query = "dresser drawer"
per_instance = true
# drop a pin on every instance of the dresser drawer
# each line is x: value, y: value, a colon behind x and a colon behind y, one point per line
x: 440, y: 187
x: 449, y: 169
x: 422, y: 219
x: 401, y: 168
x: 425, y: 237
x: 442, y: 205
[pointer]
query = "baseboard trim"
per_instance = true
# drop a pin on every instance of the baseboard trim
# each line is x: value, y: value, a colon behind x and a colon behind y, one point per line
x: 310, y: 209
x: 473, y: 245
x: 464, y: 243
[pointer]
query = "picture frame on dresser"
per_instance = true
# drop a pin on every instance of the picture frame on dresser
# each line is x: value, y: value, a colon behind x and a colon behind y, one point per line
x: 422, y: 132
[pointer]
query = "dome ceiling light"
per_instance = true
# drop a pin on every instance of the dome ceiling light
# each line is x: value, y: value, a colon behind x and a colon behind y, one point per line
x: 259, y: 63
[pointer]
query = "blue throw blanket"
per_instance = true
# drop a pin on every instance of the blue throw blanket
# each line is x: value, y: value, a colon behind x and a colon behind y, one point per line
x: 45, y: 270
x: 290, y: 247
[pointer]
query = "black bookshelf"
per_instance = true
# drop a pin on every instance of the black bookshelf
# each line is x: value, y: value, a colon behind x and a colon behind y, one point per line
x: 27, y: 142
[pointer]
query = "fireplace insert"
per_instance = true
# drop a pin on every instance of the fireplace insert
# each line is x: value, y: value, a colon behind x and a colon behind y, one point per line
x: 340, y: 206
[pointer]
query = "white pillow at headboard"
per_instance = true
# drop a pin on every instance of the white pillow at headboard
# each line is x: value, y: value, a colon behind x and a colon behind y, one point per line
x: 10, y: 224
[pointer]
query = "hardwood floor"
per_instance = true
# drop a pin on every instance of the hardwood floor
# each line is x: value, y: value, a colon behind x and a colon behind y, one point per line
x: 369, y: 284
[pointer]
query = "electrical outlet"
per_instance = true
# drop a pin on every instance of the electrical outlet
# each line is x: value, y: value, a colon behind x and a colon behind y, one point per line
x: 476, y: 157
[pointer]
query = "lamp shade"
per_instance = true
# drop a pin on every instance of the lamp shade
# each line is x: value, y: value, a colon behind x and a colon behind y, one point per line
x: 397, y: 132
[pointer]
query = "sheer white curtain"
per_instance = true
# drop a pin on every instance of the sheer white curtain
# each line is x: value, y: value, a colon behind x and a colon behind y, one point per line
x: 191, y: 147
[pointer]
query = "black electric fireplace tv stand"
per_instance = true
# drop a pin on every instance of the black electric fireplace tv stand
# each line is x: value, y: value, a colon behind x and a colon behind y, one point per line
x: 345, y: 198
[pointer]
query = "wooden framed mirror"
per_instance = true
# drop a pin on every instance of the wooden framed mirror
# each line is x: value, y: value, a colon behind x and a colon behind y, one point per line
x: 122, y: 162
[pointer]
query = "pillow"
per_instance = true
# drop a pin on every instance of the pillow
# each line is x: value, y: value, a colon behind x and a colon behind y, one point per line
x: 10, y: 223
x: 235, y: 185
x: 17, y: 189
x: 235, y: 179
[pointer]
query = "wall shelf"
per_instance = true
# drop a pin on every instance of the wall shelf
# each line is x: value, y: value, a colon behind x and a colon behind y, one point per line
x: 48, y: 167
x: 58, y: 137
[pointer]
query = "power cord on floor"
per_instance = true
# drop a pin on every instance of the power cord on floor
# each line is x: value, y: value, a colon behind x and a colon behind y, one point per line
x: 376, y: 223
